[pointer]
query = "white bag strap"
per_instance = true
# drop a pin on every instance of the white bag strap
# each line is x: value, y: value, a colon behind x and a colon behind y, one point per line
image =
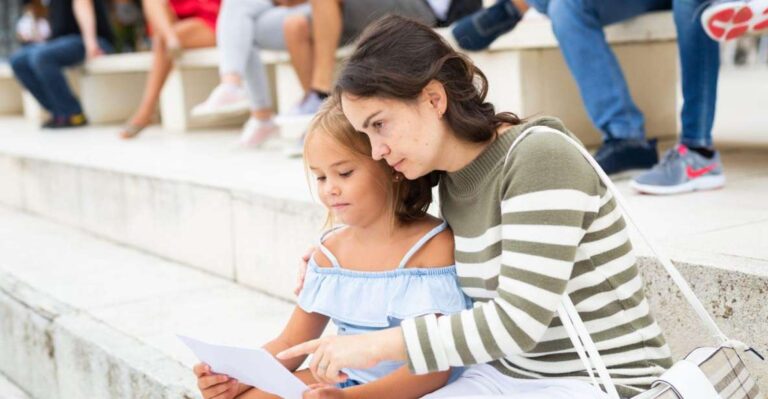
x: 567, y: 312
x: 679, y: 280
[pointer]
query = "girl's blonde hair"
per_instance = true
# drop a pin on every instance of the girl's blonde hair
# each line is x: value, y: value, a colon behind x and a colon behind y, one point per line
x: 408, y: 199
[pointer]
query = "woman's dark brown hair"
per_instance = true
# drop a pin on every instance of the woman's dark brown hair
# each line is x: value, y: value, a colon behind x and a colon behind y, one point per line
x: 397, y: 57
x: 409, y: 199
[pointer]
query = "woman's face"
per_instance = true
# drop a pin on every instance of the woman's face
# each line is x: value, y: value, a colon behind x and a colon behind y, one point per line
x: 407, y: 134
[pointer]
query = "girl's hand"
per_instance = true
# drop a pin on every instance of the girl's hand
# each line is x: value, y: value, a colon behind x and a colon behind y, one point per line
x: 303, y: 271
x: 322, y: 391
x: 213, y: 385
x: 332, y: 353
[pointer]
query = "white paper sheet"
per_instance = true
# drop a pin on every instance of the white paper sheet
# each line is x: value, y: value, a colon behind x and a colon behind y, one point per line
x: 254, y: 367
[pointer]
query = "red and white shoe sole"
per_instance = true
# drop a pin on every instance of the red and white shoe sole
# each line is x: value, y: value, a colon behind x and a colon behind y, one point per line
x: 730, y: 20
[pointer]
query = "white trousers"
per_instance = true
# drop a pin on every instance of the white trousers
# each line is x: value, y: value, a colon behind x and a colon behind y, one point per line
x: 482, y: 381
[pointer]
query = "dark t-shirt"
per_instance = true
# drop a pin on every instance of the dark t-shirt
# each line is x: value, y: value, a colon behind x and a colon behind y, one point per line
x: 63, y: 22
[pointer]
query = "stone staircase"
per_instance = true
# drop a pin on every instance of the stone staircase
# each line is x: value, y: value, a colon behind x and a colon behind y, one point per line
x: 110, y: 248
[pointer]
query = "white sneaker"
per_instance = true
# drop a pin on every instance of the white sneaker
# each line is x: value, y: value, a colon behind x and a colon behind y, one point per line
x: 224, y: 100
x: 256, y: 132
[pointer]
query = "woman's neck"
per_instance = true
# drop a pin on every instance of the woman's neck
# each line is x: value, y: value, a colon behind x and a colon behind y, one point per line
x: 462, y: 153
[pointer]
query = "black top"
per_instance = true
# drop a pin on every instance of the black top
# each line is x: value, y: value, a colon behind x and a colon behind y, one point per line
x: 61, y: 17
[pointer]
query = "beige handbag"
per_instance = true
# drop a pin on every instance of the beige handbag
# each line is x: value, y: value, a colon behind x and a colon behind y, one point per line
x: 705, y: 373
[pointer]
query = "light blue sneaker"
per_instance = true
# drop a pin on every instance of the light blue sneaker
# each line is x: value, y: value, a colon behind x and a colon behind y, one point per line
x: 681, y: 171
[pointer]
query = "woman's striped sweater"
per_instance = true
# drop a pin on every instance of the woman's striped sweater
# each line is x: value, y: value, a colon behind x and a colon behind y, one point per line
x: 526, y: 232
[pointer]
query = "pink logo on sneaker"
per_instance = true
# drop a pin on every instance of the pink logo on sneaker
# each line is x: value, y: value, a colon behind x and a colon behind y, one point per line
x: 696, y: 173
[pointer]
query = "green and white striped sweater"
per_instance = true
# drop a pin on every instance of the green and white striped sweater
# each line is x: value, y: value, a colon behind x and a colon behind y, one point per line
x: 526, y: 233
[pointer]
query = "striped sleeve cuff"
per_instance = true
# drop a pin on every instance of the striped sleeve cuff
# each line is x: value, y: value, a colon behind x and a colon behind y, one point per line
x: 424, y: 345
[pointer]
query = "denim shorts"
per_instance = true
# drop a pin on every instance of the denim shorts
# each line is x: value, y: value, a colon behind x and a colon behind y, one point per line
x: 348, y: 383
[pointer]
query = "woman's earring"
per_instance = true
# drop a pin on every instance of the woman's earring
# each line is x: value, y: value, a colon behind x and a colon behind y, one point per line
x: 398, y: 177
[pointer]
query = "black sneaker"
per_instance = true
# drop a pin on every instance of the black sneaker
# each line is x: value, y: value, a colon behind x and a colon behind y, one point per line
x: 617, y: 156
x: 60, y: 122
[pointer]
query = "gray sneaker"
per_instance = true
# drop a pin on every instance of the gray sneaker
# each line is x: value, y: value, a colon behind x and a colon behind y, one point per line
x: 681, y: 171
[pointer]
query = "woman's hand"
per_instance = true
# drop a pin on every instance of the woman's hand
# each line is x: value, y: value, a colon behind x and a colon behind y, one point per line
x: 303, y: 271
x: 212, y: 385
x: 333, y: 353
x: 323, y: 391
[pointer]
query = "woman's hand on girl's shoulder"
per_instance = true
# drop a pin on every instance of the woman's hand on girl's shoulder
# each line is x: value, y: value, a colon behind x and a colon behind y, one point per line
x: 303, y: 270
x: 323, y: 391
x: 213, y: 385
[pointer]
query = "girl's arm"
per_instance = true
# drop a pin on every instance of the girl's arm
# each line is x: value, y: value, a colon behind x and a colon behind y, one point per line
x: 301, y: 327
x: 401, y: 384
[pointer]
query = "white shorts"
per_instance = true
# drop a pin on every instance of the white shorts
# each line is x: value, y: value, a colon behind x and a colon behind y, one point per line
x: 482, y: 381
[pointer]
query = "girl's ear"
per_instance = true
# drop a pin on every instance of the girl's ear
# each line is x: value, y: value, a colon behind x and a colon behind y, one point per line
x: 434, y: 92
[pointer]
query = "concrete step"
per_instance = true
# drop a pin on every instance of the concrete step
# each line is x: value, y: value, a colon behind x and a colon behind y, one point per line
x: 84, y: 318
x: 195, y: 199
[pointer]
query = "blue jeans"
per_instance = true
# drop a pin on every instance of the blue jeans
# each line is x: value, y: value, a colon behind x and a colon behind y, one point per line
x: 40, y: 69
x: 578, y: 26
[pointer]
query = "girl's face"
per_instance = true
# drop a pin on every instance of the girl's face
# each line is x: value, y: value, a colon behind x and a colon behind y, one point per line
x: 354, y: 188
x: 408, y: 135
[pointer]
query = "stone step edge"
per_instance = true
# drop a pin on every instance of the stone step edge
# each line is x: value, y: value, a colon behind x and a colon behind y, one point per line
x: 128, y: 367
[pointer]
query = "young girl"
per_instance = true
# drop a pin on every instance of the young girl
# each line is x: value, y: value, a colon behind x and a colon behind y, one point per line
x: 389, y: 261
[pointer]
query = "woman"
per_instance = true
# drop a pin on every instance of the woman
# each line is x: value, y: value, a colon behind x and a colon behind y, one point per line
x: 176, y: 24
x: 529, y: 226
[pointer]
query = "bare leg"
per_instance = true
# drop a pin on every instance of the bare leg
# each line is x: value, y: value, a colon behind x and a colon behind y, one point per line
x: 298, y: 42
x: 191, y: 33
x: 161, y: 18
x: 326, y: 31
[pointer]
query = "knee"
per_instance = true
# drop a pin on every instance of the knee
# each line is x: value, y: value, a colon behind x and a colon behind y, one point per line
x: 296, y: 28
x: 19, y: 61
x: 40, y: 60
x: 565, y: 14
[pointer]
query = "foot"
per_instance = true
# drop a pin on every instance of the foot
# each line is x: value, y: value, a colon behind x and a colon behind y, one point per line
x: 225, y: 99
x: 725, y: 20
x: 130, y: 131
x: 617, y: 156
x: 61, y: 122
x: 307, y: 108
x: 256, y: 132
x: 477, y: 31
x: 680, y: 171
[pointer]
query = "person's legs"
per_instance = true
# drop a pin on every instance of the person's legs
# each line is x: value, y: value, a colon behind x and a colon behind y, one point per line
x: 191, y: 33
x: 478, y: 30
x: 694, y: 164
x: 326, y: 34
x: 578, y: 26
x: 49, y: 62
x: 22, y: 69
x: 699, y: 67
x: 235, y: 36
x: 297, y: 31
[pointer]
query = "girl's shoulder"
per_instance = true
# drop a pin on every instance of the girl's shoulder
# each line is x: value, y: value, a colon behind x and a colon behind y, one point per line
x: 437, y: 251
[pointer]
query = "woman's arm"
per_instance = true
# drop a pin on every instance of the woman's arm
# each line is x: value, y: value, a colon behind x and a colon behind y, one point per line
x: 86, y: 20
